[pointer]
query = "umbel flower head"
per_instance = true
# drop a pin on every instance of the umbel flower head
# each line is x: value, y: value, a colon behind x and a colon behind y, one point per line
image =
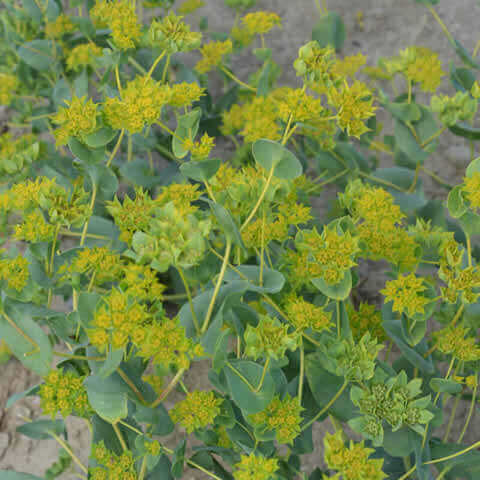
x: 366, y: 319
x: 170, y: 34
x: 471, y: 191
x: 79, y: 118
x: 121, y: 18
x: 15, y: 272
x: 84, y: 55
x: 270, y: 338
x: 260, y: 22
x: 454, y: 341
x: 8, y: 86
x: 59, y: 27
x: 255, y: 467
x: 212, y: 55
x: 197, y: 410
x: 315, y: 62
x: 141, y: 104
x: 304, y: 315
x: 111, y: 465
x: 16, y: 154
x: 451, y: 110
x: 63, y: 392
x: 352, y: 462
x: 281, y: 416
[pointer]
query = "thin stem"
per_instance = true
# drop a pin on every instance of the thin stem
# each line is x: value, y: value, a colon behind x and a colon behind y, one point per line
x: 85, y: 226
x: 470, y: 411
x: 242, y: 377
x: 155, y: 63
x: 327, y: 406
x: 469, y: 249
x: 20, y: 331
x: 217, y: 286
x: 454, y: 455
x: 206, y: 472
x: 262, y: 379
x: 78, y: 357
x: 117, y: 78
x: 143, y: 468
x: 66, y: 447
x: 433, y: 137
x: 407, y: 474
x: 228, y: 73
x: 436, y: 177
x: 302, y: 372
x: 165, y: 69
x: 411, y: 188
x: 442, y: 25
x: 129, y: 382
x: 190, y: 300
x: 338, y: 318
x: 132, y: 428
x: 117, y: 146
x: 137, y: 65
x: 129, y: 148
x: 169, y: 388
x: 475, y: 51
x: 409, y: 99
x: 260, y: 199
x: 119, y: 435
x: 452, y: 418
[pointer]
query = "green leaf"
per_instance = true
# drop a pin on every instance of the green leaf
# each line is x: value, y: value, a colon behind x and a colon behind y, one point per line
x: 114, y: 358
x: 61, y: 93
x: 407, y: 143
x: 466, y: 58
x: 273, y: 281
x: 339, y: 291
x: 241, y: 393
x: 157, y: 417
x: 178, y: 460
x: 461, y: 78
x: 202, y: 170
x: 324, y: 385
x: 39, y: 429
x: 100, y: 138
x: 108, y: 397
x: 187, y: 127
x: 268, y: 154
x: 465, y: 466
x: 80, y: 84
x: 37, y: 358
x: 84, y: 154
x: 228, y: 224
x: 32, y: 9
x: 138, y: 172
x: 455, y: 204
x: 330, y: 30
x: 39, y: 54
x: 18, y: 396
x: 400, y: 443
x: 445, y: 386
x: 406, y: 112
x: 464, y: 130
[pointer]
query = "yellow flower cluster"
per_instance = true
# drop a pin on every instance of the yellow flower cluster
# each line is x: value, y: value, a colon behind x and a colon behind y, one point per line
x: 354, y: 104
x: 425, y: 69
x: 366, y: 319
x: 212, y: 55
x: 452, y: 341
x: 197, y: 410
x: 8, y: 86
x: 133, y: 214
x: 121, y: 18
x: 281, y: 416
x: 99, y: 262
x: 199, y: 150
x: 406, y: 293
x: 59, y: 27
x: 379, y: 222
x: 190, y: 6
x: 348, y: 66
x: 15, y: 272
x: 181, y: 195
x: 330, y: 254
x: 460, y: 282
x: 117, y: 320
x: 471, y: 381
x: 27, y: 195
x: 315, y: 63
x: 141, y: 104
x: 17, y: 153
x: 296, y: 102
x: 183, y: 94
x: 84, y: 55
x: 255, y: 467
x: 260, y: 22
x: 140, y: 281
x: 171, y: 34
x: 352, y: 462
x: 166, y: 343
x: 34, y: 228
x: 304, y: 315
x: 79, y: 118
x: 112, y: 466
x: 471, y: 190
x: 64, y: 392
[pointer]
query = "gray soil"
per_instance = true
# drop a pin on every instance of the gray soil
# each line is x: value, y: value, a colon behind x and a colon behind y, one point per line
x: 389, y: 25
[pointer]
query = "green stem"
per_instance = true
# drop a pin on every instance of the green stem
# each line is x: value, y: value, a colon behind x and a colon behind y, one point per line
x: 470, y: 412
x: 155, y: 63
x: 454, y: 455
x: 118, y: 433
x: 217, y: 286
x: 85, y: 226
x: 338, y: 319
x: 244, y: 380
x: 228, y: 73
x: 302, y: 372
x: 143, y: 468
x: 327, y: 406
x: 132, y: 386
x: 165, y: 69
x: 190, y: 300
x: 452, y: 417
x: 78, y: 357
x: 66, y: 447
x: 433, y: 137
x: 442, y: 25
x: 117, y: 146
x: 262, y: 379
x: 169, y: 388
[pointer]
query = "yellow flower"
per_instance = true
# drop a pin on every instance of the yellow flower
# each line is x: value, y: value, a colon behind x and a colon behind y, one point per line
x: 282, y: 417
x: 261, y: 22
x: 349, y: 66
x: 141, y: 281
x: 366, y: 319
x: 98, y: 261
x: 121, y: 18
x: 303, y: 315
x: 15, y: 272
x: 8, y: 86
x: 59, y: 27
x: 184, y: 94
x: 297, y: 103
x: 190, y: 6
x: 406, y: 292
x: 452, y: 341
x: 34, y: 229
x: 197, y: 410
x: 200, y: 150
x: 82, y: 56
x: 213, y: 54
x: 426, y: 69
x: 253, y: 467
x: 141, y: 104
x: 471, y: 188
x: 77, y: 120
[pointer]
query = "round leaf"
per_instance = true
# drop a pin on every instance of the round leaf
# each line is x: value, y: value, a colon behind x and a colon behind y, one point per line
x: 270, y: 154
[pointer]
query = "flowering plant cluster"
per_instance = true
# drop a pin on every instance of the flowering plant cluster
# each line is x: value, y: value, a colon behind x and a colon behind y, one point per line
x: 153, y: 225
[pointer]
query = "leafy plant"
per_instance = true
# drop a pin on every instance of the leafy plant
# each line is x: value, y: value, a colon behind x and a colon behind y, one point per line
x: 132, y: 251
